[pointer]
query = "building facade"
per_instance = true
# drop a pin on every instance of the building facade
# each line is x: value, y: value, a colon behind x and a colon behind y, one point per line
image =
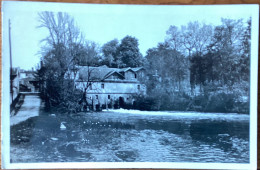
x: 110, y: 87
x: 28, y: 82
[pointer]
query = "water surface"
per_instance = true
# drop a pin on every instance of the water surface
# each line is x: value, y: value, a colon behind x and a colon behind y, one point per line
x: 134, y: 136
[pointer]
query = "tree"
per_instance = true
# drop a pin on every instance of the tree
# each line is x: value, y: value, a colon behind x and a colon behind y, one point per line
x: 110, y: 53
x: 92, y: 55
x: 191, y: 40
x: 196, y: 37
x: 173, y: 38
x: 245, y: 58
x: 169, y: 64
x: 61, y: 27
x: 198, y: 70
x: 167, y: 72
x: 60, y: 54
x: 128, y: 53
x: 64, y: 39
x: 227, y: 47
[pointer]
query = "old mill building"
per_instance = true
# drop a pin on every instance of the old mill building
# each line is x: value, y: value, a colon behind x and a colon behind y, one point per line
x: 110, y: 87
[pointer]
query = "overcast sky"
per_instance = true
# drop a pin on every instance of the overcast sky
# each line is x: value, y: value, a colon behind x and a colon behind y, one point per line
x: 102, y: 23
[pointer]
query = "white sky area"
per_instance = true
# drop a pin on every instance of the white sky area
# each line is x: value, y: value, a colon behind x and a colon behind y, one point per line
x: 102, y: 23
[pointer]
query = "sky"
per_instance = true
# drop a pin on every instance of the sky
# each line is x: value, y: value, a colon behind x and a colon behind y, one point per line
x: 102, y: 23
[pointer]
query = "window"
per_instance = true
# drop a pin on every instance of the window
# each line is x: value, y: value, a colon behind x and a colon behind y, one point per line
x: 96, y: 96
x: 102, y: 86
x: 108, y: 96
x: 135, y: 76
x: 138, y: 87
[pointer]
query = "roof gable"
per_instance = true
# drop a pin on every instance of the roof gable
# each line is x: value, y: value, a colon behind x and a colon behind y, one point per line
x: 128, y: 69
x: 114, y: 73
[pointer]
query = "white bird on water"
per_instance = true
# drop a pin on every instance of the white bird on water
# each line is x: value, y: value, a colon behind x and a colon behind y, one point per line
x: 62, y: 126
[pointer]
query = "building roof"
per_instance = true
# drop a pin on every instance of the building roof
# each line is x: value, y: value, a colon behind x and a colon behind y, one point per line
x: 101, y: 73
x: 94, y: 73
x: 136, y: 69
x: 29, y: 79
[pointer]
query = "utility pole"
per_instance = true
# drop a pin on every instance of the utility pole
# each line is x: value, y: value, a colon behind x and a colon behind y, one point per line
x: 10, y: 48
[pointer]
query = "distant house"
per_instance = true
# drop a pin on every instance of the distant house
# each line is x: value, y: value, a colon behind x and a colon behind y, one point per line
x: 28, y: 82
x: 14, y: 83
x: 21, y: 81
x: 110, y: 87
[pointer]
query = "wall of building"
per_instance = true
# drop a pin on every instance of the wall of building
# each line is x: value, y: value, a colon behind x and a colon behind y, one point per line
x: 109, y: 99
x: 23, y: 75
x: 140, y: 75
x: 105, y: 93
x: 129, y: 75
x: 113, y: 87
x: 15, y: 91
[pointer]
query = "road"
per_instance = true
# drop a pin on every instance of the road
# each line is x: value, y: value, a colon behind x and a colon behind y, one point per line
x: 30, y: 108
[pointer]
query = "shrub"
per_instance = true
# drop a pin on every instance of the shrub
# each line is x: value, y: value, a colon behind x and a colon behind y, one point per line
x: 221, y: 102
x: 145, y: 103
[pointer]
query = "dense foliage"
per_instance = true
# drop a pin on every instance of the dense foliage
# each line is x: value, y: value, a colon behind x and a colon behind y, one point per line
x: 198, y: 67
x: 124, y: 54
x: 201, y: 67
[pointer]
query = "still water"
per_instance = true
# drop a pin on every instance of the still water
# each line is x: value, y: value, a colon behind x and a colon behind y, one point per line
x: 135, y: 136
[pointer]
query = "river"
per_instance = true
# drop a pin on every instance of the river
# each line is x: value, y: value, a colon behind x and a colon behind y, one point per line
x: 133, y: 136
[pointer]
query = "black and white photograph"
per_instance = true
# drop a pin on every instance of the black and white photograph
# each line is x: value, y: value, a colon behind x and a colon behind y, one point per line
x: 129, y: 86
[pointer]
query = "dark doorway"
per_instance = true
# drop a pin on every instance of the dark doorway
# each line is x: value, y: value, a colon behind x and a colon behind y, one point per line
x: 121, y: 102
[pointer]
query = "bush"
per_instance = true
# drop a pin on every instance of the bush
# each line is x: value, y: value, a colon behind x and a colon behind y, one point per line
x: 180, y: 102
x: 219, y: 102
x: 128, y: 106
x: 146, y: 103
x: 223, y: 102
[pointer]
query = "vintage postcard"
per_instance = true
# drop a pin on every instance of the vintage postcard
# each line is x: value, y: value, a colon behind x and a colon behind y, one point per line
x: 129, y: 86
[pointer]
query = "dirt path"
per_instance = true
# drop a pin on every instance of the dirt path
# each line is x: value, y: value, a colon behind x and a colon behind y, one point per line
x: 29, y: 108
